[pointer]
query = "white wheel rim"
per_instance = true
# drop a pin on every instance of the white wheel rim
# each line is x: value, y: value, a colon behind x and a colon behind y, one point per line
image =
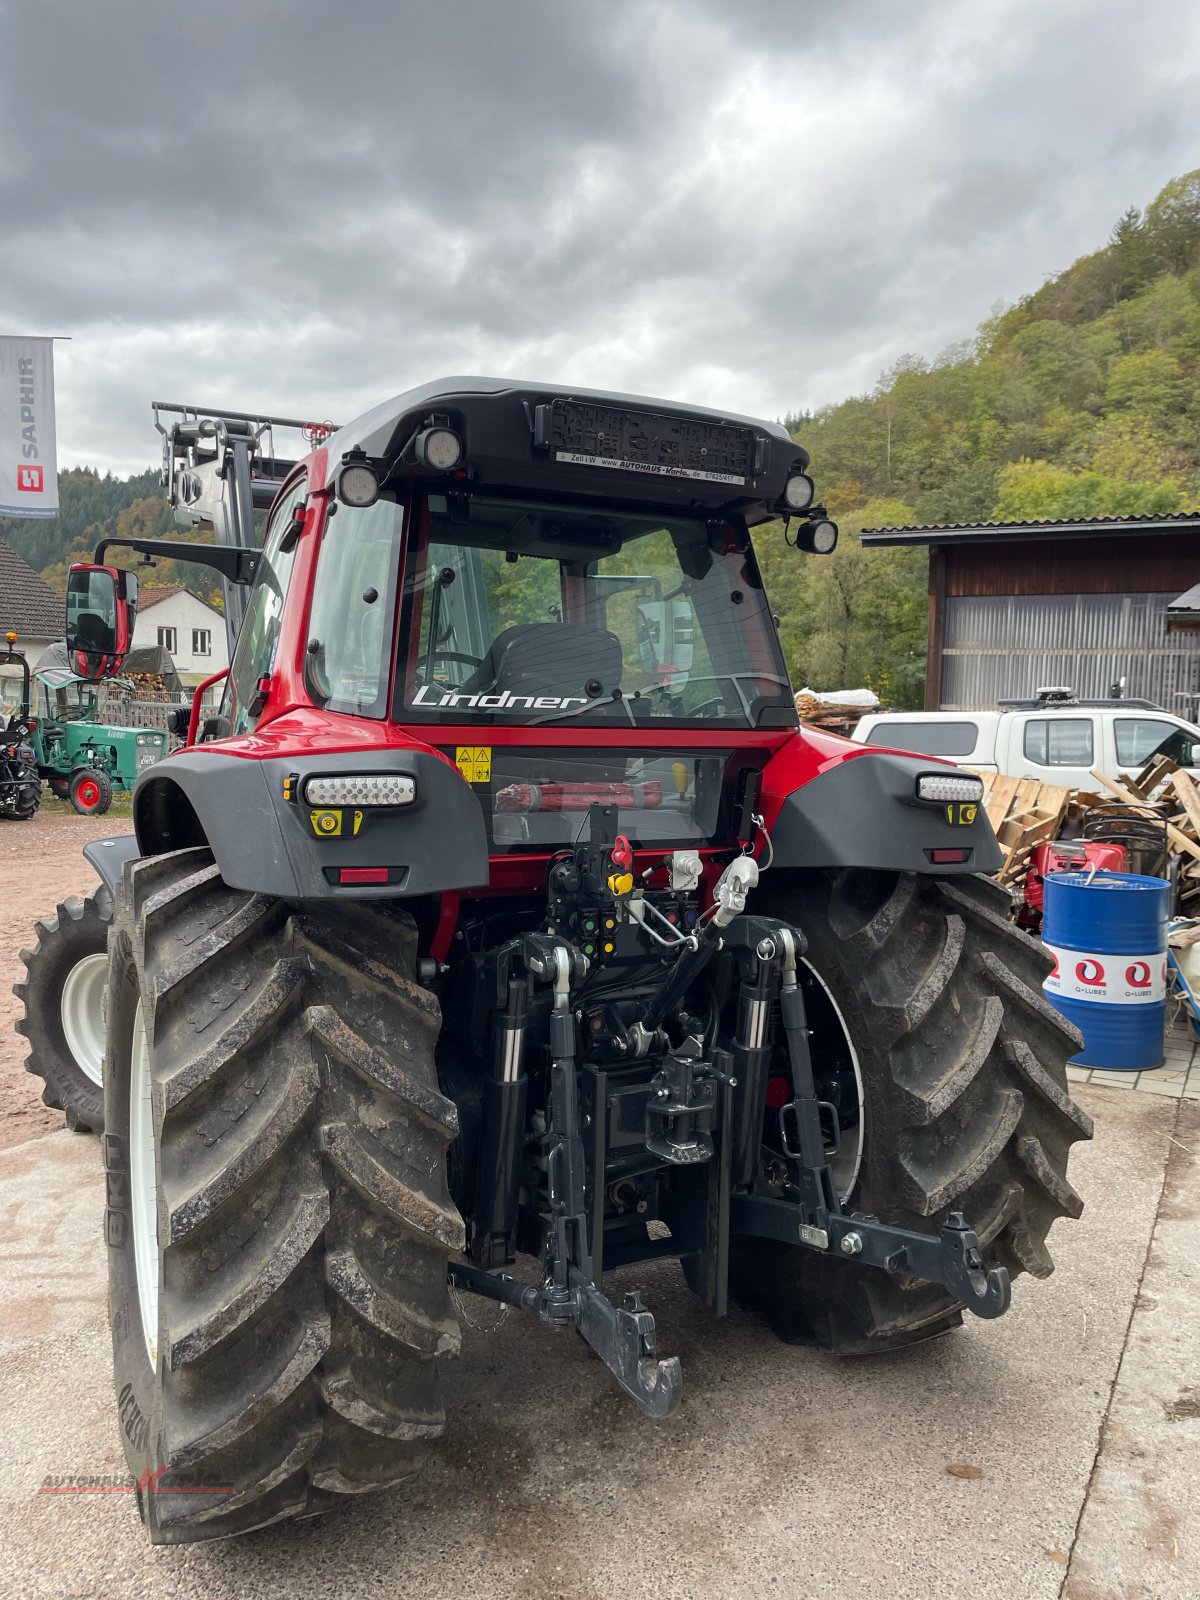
x: 143, y: 1185
x: 82, y: 1009
x: 845, y: 1165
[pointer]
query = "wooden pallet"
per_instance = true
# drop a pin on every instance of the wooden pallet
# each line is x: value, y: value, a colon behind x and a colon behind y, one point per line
x: 1023, y: 812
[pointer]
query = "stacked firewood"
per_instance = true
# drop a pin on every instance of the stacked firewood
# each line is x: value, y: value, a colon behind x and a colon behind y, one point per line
x: 146, y: 686
x: 832, y: 713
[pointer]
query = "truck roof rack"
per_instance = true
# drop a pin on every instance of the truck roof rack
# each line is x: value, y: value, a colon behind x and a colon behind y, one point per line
x: 1074, y: 701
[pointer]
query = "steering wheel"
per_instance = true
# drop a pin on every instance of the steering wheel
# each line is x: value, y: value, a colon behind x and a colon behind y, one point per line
x: 457, y: 655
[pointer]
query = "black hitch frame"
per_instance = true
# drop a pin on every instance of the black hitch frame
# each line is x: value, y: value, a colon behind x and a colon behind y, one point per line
x: 689, y: 1126
x: 952, y: 1258
x: 622, y: 1336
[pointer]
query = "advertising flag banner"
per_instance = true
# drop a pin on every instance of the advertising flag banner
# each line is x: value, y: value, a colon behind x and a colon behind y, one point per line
x: 28, y: 456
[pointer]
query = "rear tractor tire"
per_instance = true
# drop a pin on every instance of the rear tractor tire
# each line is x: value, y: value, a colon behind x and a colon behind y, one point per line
x: 62, y: 1001
x: 964, y: 1097
x: 90, y: 791
x: 278, y: 1216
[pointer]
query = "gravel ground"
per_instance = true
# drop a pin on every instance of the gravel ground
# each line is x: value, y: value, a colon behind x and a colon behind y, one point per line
x: 1050, y: 1455
x: 40, y: 864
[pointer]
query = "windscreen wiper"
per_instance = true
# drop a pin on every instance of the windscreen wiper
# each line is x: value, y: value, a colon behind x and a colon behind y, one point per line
x: 588, y: 705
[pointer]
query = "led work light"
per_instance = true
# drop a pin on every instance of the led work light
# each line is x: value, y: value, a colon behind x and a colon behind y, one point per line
x: 798, y: 491
x: 933, y: 786
x: 357, y: 485
x: 439, y: 448
x: 820, y: 538
x: 365, y: 789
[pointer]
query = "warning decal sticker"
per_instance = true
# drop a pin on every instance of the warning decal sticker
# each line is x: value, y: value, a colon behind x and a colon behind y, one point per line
x: 474, y: 762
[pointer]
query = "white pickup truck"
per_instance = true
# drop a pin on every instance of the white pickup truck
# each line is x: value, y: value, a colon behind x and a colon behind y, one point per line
x: 1054, y: 737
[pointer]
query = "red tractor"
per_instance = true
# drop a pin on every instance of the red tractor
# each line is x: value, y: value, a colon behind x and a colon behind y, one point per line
x: 504, y: 910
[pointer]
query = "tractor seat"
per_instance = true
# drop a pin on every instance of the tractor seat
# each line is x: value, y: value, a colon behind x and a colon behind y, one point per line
x: 549, y: 658
x: 92, y: 632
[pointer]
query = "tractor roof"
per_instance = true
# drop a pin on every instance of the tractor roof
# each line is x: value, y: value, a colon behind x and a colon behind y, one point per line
x: 504, y: 422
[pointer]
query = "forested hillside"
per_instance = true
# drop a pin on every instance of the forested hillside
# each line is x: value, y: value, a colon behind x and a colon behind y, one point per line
x: 1081, y: 400
x: 92, y: 508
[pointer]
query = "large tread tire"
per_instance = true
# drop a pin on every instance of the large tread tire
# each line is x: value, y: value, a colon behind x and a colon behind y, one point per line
x: 966, y: 1101
x: 77, y: 932
x: 304, y: 1219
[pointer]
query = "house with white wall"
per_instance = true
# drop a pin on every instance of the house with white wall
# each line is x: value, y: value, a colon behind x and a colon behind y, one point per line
x: 190, y: 630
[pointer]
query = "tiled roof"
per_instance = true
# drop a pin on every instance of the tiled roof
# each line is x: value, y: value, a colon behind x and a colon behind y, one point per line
x: 152, y: 597
x: 28, y: 605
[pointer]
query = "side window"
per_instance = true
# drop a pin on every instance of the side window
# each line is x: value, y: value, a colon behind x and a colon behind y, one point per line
x: 1139, y: 737
x: 349, y: 656
x: 1059, y: 741
x: 254, y: 653
x: 926, y: 738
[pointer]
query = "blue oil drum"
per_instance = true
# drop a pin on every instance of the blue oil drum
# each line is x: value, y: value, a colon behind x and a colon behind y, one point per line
x: 1107, y: 933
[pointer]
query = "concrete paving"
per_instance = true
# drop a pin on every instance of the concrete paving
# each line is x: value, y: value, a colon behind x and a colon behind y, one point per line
x: 1178, y: 1077
x: 784, y: 1472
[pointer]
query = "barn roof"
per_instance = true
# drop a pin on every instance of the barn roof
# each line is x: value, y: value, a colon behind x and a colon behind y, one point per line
x: 1010, y: 532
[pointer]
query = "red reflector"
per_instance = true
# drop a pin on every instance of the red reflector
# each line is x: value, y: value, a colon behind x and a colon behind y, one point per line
x: 946, y: 856
x: 363, y: 875
x: 779, y: 1092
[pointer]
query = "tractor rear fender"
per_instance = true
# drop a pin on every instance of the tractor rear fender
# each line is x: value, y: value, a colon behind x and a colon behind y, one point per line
x: 268, y: 843
x: 830, y: 803
x: 108, y: 856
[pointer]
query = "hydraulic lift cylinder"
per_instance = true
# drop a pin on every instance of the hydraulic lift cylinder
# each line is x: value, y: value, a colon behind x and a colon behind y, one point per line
x: 502, y: 1142
x: 751, y: 1060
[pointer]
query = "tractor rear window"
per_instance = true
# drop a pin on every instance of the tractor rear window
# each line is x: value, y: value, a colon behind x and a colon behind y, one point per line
x: 519, y: 611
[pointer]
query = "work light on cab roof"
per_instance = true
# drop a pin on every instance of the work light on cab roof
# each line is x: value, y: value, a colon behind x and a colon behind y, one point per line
x: 357, y: 484
x: 798, y: 492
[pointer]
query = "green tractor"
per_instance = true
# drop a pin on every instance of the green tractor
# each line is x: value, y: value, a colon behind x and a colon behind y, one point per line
x: 83, y: 759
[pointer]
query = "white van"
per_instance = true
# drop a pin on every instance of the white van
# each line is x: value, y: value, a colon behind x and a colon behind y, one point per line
x: 1054, y: 737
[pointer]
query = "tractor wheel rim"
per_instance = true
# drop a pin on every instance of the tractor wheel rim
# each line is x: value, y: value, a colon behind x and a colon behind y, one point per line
x: 88, y: 792
x: 143, y: 1185
x: 82, y: 1010
x: 844, y: 1166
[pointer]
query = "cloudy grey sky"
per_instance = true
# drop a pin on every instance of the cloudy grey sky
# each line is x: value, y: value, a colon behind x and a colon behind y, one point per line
x: 752, y: 204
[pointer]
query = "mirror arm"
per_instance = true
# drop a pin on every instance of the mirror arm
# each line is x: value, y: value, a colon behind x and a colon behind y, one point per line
x: 234, y: 564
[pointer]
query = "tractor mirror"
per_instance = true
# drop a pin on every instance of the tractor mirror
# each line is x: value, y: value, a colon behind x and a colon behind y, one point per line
x: 666, y: 638
x: 101, y: 605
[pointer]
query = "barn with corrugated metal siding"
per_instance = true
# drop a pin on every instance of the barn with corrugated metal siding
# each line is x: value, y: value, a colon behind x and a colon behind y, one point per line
x: 1016, y: 606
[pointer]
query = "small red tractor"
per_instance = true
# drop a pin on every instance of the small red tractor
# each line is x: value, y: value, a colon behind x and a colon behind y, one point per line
x: 504, y: 911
